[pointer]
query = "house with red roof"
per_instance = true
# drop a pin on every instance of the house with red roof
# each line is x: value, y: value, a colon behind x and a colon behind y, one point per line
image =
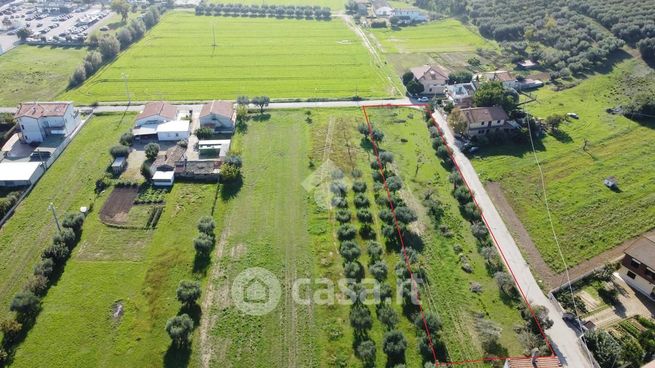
x: 40, y: 120
x: 219, y: 116
x: 156, y: 113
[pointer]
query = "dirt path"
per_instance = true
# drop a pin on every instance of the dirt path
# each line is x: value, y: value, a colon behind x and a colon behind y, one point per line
x: 550, y: 278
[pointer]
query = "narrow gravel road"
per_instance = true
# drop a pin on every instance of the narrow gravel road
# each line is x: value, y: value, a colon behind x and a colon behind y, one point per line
x: 564, y: 340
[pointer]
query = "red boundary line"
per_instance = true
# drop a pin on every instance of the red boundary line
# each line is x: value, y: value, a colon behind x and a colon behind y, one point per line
x: 402, y: 243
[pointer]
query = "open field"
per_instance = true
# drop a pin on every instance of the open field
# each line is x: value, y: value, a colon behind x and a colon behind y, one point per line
x: 295, y: 237
x: 447, y: 292
x: 332, y: 4
x: 252, y: 56
x: 69, y: 184
x: 139, y: 269
x: 31, y: 73
x: 447, y: 42
x: 588, y: 217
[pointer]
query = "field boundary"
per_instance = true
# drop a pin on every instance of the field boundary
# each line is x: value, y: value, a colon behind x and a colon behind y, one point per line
x: 450, y: 154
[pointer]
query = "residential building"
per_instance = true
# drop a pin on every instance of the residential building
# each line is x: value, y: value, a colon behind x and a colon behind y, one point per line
x: 485, y: 120
x: 156, y: 113
x: 219, y: 116
x: 526, y: 64
x: 381, y: 8
x: 39, y: 120
x: 17, y: 174
x: 169, y: 160
x: 461, y: 94
x: 173, y: 130
x: 502, y: 76
x: 410, y: 16
x: 434, y: 78
x: 638, y: 265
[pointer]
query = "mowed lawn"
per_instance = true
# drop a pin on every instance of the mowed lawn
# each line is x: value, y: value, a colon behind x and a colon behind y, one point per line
x: 448, y: 35
x: 68, y: 184
x: 253, y: 56
x: 140, y: 269
x: 588, y: 217
x: 31, y: 73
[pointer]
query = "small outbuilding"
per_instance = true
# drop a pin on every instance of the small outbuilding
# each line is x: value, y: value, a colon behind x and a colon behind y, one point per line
x: 611, y: 182
x: 119, y: 165
x: 163, y: 178
x: 173, y: 130
x: 17, y: 174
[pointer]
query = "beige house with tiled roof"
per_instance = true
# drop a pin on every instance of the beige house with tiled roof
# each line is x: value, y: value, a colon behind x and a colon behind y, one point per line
x: 434, y: 78
x: 485, y: 120
x: 219, y: 116
x: 156, y: 113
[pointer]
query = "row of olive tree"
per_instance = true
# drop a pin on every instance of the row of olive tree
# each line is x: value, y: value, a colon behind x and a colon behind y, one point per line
x: 106, y: 47
x: 279, y: 11
x: 27, y: 303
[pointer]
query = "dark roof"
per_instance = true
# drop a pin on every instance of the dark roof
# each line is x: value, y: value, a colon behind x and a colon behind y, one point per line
x: 431, y: 72
x: 40, y: 109
x: 643, y: 250
x: 198, y: 167
x: 168, y: 159
x: 480, y: 114
x: 160, y: 108
x: 224, y: 108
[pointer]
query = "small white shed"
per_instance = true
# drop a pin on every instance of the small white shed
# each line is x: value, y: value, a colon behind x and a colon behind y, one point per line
x: 173, y: 130
x: 16, y: 174
x: 163, y: 178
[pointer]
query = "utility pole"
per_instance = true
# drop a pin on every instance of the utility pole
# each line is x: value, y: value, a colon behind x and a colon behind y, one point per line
x: 51, y: 207
x: 127, y: 90
x: 214, y: 35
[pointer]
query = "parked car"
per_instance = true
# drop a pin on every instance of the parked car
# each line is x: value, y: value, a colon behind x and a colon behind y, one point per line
x: 39, y: 25
x: 11, y: 33
x: 572, y: 115
x: 423, y: 99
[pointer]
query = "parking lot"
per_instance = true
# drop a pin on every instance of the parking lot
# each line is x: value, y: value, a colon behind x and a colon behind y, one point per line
x: 49, y: 25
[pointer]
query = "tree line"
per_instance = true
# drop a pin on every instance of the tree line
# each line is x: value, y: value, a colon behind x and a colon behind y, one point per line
x: 106, y: 47
x: 278, y: 11
x: 26, y: 304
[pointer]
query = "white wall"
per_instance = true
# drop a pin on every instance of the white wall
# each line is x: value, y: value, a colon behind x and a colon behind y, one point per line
x: 639, y: 283
x: 30, y: 129
x: 150, y: 120
x: 172, y: 136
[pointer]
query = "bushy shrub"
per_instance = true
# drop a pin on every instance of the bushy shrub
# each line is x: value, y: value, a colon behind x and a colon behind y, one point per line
x: 346, y: 232
x: 342, y: 215
x: 361, y: 200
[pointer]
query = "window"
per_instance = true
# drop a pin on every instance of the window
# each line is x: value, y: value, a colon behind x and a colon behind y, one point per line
x: 634, y: 263
x: 631, y: 275
x: 650, y: 274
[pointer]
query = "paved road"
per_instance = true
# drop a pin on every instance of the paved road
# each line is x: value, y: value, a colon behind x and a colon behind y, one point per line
x: 563, y: 338
x: 122, y: 107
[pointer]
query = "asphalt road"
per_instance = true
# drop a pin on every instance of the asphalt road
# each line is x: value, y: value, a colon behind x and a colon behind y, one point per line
x: 564, y: 340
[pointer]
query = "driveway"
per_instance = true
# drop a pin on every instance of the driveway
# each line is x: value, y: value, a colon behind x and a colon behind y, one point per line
x: 563, y: 339
x: 631, y: 303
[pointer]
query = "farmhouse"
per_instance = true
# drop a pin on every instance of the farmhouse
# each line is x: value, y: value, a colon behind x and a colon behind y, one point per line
x: 484, y: 120
x: 502, y: 76
x: 526, y: 64
x: 434, y: 78
x: 173, y: 130
x: 638, y: 266
x: 461, y: 94
x: 169, y: 159
x: 410, y: 16
x: 381, y: 8
x: 39, y: 120
x: 16, y: 174
x: 156, y: 113
x: 219, y: 116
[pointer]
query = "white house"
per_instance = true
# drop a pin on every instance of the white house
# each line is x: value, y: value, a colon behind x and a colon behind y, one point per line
x: 173, y: 130
x: 410, y: 15
x: 461, y: 94
x: 219, y: 116
x: 156, y: 113
x: 485, y: 120
x: 381, y: 8
x: 16, y: 174
x: 638, y: 265
x: 39, y: 120
x: 434, y: 78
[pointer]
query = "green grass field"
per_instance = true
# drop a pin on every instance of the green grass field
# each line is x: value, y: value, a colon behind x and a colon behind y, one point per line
x: 253, y: 56
x: 448, y: 35
x: 31, y: 73
x: 447, y: 42
x: 588, y: 217
x: 332, y: 4
x: 69, y: 184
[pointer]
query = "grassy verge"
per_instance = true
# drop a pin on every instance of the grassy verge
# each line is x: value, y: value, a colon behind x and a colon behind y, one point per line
x: 588, y: 217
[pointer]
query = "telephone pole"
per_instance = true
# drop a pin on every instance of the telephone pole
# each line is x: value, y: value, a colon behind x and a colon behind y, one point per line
x: 51, y: 207
x: 127, y: 90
